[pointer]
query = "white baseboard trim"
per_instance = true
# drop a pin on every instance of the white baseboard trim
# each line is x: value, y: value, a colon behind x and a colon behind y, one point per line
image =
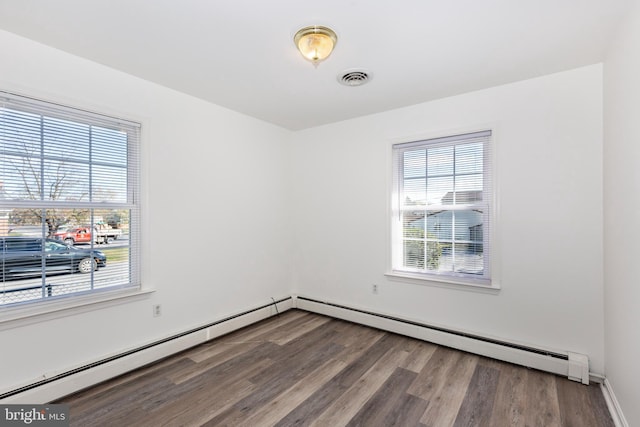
x: 614, y: 407
x: 596, y: 378
x: 58, y: 386
x: 571, y: 365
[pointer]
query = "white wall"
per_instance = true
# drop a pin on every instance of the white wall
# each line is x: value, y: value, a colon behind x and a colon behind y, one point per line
x: 548, y: 142
x: 216, y: 235
x: 333, y: 182
x: 621, y: 213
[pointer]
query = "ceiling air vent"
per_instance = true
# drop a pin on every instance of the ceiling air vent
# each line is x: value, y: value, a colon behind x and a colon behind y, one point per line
x: 354, y: 77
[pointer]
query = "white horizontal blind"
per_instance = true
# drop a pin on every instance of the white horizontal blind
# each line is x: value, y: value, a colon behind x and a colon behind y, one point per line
x: 66, y: 174
x: 441, y: 207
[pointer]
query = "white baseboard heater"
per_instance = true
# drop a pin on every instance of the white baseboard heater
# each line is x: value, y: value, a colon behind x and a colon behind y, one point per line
x: 575, y: 366
x: 71, y: 381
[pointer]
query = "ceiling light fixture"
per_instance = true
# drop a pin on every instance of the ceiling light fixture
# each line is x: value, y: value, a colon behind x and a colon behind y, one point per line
x: 315, y: 43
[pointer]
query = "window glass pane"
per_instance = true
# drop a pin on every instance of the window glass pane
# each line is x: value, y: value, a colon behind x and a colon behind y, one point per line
x: 415, y: 192
x: 414, y: 254
x: 20, y: 177
x: 20, y: 131
x: 468, y: 188
x: 465, y: 222
x: 468, y: 258
x: 440, y: 161
x: 109, y: 184
x: 439, y: 225
x: 469, y: 158
x: 436, y: 258
x: 439, y: 190
x: 433, y: 255
x: 66, y: 181
x: 415, y: 162
x: 65, y: 139
x: 413, y: 224
x: 109, y: 146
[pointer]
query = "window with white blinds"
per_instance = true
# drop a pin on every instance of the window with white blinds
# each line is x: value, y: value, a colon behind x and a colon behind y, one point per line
x: 441, y: 208
x: 69, y: 205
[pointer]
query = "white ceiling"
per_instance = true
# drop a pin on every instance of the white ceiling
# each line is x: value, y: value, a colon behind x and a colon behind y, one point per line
x: 240, y: 53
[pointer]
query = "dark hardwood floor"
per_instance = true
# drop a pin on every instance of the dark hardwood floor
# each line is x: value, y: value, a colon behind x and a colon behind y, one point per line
x: 300, y: 368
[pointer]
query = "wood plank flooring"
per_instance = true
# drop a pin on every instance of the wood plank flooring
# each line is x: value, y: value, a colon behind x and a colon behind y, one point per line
x: 303, y: 369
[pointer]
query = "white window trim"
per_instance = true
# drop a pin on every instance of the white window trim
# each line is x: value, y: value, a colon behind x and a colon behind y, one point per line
x: 493, y: 286
x: 44, y: 310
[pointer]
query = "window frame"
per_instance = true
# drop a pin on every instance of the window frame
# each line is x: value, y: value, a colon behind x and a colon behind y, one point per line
x: 133, y: 193
x: 395, y: 270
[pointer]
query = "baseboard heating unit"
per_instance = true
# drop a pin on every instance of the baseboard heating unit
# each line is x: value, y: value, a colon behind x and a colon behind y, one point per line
x: 575, y: 366
x: 65, y: 383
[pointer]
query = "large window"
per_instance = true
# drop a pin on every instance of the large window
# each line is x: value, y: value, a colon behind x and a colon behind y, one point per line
x: 69, y: 209
x: 441, y: 208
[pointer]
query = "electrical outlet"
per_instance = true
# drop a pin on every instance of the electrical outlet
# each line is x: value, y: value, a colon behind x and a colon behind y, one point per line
x: 374, y: 288
x: 156, y: 310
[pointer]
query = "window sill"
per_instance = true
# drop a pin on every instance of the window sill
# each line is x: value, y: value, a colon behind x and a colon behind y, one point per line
x: 444, y: 282
x: 13, y: 317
